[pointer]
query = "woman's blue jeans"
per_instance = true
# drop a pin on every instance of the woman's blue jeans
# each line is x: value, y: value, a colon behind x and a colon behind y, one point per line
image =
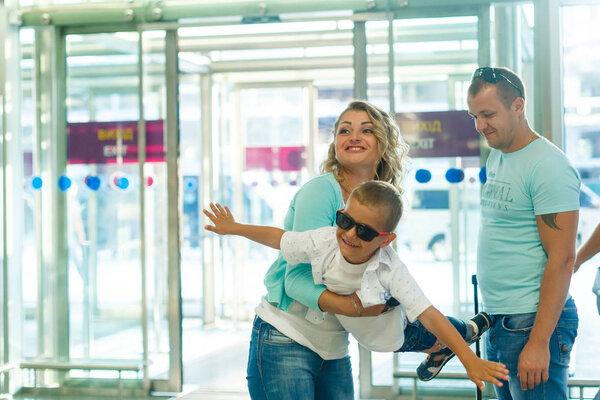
x: 510, y: 333
x: 281, y: 369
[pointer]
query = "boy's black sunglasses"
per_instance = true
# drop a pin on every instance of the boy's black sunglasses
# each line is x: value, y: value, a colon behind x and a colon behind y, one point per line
x: 364, y: 232
x: 493, y: 75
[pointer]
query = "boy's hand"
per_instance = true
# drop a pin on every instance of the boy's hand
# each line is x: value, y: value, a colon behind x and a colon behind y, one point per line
x: 481, y: 370
x: 222, y: 219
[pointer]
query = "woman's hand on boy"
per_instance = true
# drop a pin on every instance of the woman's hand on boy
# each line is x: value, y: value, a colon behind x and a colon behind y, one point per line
x: 221, y: 217
x: 371, y: 311
x: 341, y: 304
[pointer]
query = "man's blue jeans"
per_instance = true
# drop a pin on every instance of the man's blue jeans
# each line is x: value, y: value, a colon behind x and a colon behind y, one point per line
x: 507, y: 337
x: 281, y: 369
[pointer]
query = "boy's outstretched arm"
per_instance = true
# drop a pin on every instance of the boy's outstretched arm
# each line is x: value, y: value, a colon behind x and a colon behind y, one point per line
x: 478, y: 370
x: 224, y: 224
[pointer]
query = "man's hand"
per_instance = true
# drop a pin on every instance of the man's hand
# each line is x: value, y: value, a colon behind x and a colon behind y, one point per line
x: 221, y: 217
x: 533, y: 364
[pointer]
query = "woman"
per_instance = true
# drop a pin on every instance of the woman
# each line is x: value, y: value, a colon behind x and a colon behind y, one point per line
x: 297, y: 351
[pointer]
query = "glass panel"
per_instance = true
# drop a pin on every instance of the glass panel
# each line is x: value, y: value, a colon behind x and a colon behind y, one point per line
x: 104, y: 228
x: 378, y: 76
x: 274, y: 131
x: 512, y: 32
x: 31, y: 199
x: 431, y: 54
x: 582, y: 145
x: 104, y: 214
x: 259, y: 128
x: 434, y: 59
x: 12, y: 162
x: 192, y: 230
x: 155, y: 203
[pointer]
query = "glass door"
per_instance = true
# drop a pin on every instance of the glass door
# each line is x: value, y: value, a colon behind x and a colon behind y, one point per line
x: 104, y: 197
x: 274, y: 138
x: 107, y: 173
x: 581, y: 98
x: 259, y: 161
x: 258, y: 104
x: 424, y: 82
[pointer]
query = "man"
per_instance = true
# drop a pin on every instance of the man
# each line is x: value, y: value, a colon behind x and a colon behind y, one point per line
x: 530, y: 211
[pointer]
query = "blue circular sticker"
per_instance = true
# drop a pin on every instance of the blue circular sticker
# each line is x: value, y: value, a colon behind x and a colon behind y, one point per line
x: 423, y: 175
x: 64, y: 183
x: 93, y: 182
x: 482, y: 175
x: 36, y: 182
x: 454, y: 175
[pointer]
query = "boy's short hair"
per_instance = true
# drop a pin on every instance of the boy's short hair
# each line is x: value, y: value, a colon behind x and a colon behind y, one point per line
x: 383, y: 196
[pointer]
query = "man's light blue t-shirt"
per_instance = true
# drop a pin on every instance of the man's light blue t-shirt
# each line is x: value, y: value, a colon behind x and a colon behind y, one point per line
x: 535, y: 180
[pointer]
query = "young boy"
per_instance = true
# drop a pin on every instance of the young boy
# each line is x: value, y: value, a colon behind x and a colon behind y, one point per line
x: 355, y: 257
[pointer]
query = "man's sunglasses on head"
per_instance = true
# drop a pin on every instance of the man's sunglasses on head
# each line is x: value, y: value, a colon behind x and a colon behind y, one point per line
x: 493, y: 75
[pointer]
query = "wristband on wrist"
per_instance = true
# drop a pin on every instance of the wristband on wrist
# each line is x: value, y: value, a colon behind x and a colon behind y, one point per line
x: 355, y: 305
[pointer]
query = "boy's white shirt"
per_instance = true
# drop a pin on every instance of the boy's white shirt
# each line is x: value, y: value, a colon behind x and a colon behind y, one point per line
x: 383, y: 276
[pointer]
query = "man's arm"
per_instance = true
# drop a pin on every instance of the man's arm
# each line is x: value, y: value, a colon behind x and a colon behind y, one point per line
x: 589, y: 249
x: 559, y: 245
x: 224, y: 224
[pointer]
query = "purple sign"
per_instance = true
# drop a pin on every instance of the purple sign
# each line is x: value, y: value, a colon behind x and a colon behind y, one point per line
x: 290, y: 158
x: 439, y: 133
x: 107, y: 142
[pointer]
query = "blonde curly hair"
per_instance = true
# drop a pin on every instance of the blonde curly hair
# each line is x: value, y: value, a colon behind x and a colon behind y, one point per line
x: 392, y: 149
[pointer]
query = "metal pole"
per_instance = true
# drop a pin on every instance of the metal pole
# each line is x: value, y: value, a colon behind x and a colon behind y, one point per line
x: 476, y: 306
x: 141, y: 161
x: 174, y: 200
x: 131, y: 13
x: 391, y: 64
x: 360, y: 60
